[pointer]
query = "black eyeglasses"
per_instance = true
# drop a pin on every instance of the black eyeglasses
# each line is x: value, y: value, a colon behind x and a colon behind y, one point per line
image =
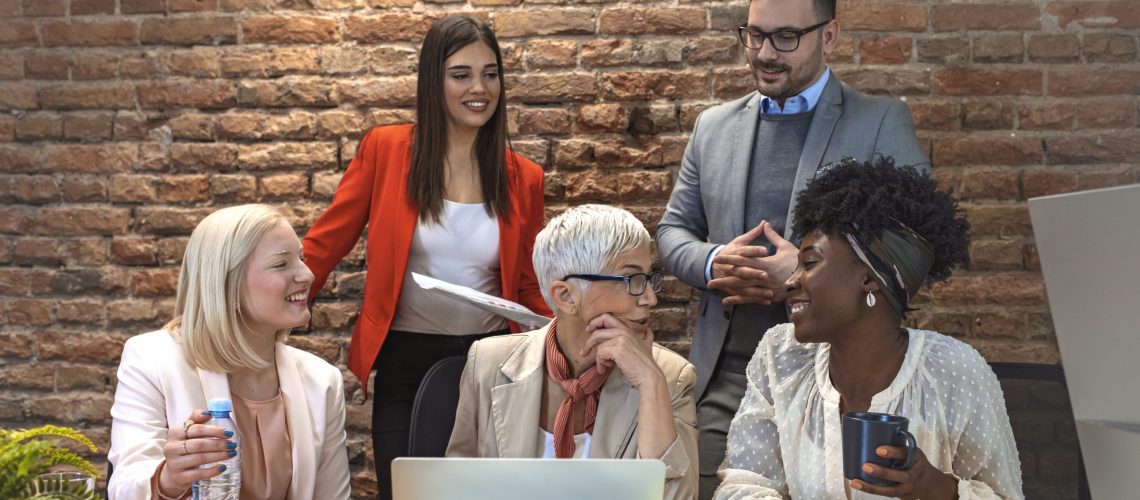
x: 783, y: 40
x: 635, y: 283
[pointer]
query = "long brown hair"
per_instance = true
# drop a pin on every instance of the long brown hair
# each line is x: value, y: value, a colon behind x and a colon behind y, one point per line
x: 429, y: 141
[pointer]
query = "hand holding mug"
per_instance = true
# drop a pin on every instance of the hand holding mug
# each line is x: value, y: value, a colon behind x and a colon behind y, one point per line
x: 188, y: 447
x: 920, y: 480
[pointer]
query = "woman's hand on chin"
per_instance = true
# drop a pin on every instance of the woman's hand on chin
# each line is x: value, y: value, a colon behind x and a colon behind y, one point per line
x: 921, y: 480
x: 631, y: 350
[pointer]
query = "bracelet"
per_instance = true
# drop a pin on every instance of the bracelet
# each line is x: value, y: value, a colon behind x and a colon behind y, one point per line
x: 157, y: 489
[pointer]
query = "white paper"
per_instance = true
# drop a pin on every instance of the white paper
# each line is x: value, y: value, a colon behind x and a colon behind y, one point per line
x: 510, y: 310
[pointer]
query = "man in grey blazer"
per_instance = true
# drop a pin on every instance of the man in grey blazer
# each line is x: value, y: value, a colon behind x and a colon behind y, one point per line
x: 726, y: 227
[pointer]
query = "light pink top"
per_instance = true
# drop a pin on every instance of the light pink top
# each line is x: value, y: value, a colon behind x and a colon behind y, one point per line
x: 267, y: 454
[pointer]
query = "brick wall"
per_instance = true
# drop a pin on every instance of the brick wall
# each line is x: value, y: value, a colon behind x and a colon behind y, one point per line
x: 126, y: 121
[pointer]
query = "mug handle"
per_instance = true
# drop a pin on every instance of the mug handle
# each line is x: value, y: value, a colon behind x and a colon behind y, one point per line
x: 911, y: 446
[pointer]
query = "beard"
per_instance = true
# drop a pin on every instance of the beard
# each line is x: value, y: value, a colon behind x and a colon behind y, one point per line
x: 792, y: 81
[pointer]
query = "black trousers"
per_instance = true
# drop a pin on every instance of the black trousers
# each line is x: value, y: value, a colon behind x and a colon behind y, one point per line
x: 404, y: 359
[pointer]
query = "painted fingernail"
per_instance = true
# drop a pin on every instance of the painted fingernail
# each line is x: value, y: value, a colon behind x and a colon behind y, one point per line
x: 221, y: 468
x: 868, y: 468
x: 231, y: 445
x: 205, y: 412
x: 881, y: 451
x: 229, y: 434
x: 857, y: 485
x: 231, y: 453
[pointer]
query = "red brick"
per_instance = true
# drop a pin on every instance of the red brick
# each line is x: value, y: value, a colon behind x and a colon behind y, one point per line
x: 1046, y: 116
x: 1106, y: 148
x: 28, y: 376
x: 70, y: 407
x: 537, y: 88
x: 41, y: 65
x: 80, y: 311
x: 603, y: 52
x: 30, y: 312
x: 133, y: 189
x: 302, y: 92
x: 935, y: 115
x: 84, y: 189
x: 327, y: 348
x: 983, y: 150
x: 885, y: 50
x: 108, y: 158
x: 19, y: 159
x: 133, y: 251
x: 91, y: 377
x: 999, y: 48
x: 998, y: 219
x: 544, y: 121
x: 92, y: 7
x: 88, y: 126
x: 82, y: 221
x: 992, y: 289
x: 390, y: 27
x: 287, y: 155
x: 153, y: 157
x: 1077, y: 81
x: 270, y: 62
x: 1106, y: 178
x: 987, y: 115
x: 170, y: 250
x: 17, y: 34
x: 193, y: 126
x: 201, y: 62
x: 654, y: 119
x: 36, y: 252
x: 882, y: 16
x: 339, y: 123
x: 169, y: 221
x: 651, y: 187
x: 201, y: 94
x: 259, y: 126
x: 143, y: 6
x: 93, y: 281
x: 1046, y: 182
x: 994, y: 16
x: 189, y: 31
x: 1099, y: 14
x: 95, y: 65
x: 732, y: 83
x: 16, y: 96
x: 515, y: 23
x: 84, y: 252
x: 603, y: 117
x: 1054, y: 48
x: 201, y: 157
x: 161, y: 282
x: 888, y: 81
x: 79, y: 346
x: 1109, y: 47
x: 44, y: 8
x: 16, y: 345
x: 652, y: 21
x: 11, y: 66
x: 991, y: 184
x: 995, y: 254
x: 233, y: 188
x: 13, y: 282
x: 324, y: 184
x: 38, y: 127
x: 129, y: 313
x: 591, y: 187
x: 1110, y: 113
x: 574, y: 153
x: 35, y: 189
x: 714, y: 50
x: 138, y: 65
x: 285, y: 187
x: 193, y: 5
x: 551, y: 53
x: 659, y: 53
x: 952, y: 50
x: 88, y: 96
x: 653, y: 84
x: 184, y: 189
x: 984, y: 82
x: 288, y: 29
x: 90, y: 33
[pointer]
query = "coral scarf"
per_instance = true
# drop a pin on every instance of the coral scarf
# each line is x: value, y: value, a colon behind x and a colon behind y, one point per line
x: 587, y: 386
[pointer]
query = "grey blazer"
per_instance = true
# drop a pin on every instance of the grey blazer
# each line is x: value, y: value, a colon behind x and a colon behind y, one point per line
x: 707, y: 208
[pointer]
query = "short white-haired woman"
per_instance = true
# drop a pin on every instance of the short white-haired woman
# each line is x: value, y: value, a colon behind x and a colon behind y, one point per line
x: 243, y: 285
x: 576, y: 387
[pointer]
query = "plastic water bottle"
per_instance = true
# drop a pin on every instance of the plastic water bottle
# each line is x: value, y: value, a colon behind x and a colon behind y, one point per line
x: 227, y: 485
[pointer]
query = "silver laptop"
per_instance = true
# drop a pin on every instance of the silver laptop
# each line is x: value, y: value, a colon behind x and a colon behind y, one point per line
x: 1088, y: 243
x: 526, y: 479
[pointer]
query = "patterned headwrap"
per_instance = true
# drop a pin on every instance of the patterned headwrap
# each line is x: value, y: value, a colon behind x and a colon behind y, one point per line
x: 899, y: 259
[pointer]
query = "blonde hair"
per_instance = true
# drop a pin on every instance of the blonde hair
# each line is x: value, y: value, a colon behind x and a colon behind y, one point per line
x: 584, y: 240
x: 207, y: 320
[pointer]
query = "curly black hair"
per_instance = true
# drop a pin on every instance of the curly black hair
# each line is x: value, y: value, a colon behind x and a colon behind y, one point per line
x: 870, y: 195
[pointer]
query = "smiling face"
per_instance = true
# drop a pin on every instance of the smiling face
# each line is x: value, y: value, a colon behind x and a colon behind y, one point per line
x: 781, y: 75
x: 613, y: 297
x: 274, y: 294
x: 827, y: 290
x: 471, y: 86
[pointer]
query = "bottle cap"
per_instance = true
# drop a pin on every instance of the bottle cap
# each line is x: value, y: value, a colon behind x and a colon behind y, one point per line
x: 219, y: 404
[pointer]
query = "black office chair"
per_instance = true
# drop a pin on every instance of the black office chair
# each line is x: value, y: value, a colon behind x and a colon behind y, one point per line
x: 1037, y: 399
x: 433, y: 413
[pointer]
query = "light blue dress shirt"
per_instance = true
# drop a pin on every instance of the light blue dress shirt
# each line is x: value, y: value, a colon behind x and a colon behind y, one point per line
x: 800, y: 103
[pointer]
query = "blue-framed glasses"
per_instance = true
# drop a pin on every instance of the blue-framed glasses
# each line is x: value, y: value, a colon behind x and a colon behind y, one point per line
x: 635, y: 283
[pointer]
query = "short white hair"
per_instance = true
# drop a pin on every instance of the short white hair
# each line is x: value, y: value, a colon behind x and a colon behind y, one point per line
x: 584, y: 240
x: 207, y: 320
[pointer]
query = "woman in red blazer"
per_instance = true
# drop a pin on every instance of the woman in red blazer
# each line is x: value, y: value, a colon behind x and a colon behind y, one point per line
x: 444, y: 197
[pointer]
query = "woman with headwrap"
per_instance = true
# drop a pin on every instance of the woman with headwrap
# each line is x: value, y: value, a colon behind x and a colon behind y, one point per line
x: 872, y: 235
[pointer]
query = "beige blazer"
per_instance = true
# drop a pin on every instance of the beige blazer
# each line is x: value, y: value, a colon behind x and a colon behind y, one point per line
x: 158, y: 389
x: 501, y: 394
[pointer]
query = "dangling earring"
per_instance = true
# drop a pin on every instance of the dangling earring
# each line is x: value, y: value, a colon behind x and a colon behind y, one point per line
x: 870, y: 299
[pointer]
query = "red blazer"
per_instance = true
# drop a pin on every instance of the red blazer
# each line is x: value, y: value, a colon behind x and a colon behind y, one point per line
x: 374, y: 190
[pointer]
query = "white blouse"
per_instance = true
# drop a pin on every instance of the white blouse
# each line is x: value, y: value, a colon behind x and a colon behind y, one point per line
x: 786, y: 441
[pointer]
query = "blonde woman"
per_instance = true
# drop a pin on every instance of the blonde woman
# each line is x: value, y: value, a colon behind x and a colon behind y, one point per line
x: 242, y: 287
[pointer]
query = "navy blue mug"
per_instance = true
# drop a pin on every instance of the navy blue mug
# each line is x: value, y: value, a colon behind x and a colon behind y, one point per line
x: 863, y: 432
